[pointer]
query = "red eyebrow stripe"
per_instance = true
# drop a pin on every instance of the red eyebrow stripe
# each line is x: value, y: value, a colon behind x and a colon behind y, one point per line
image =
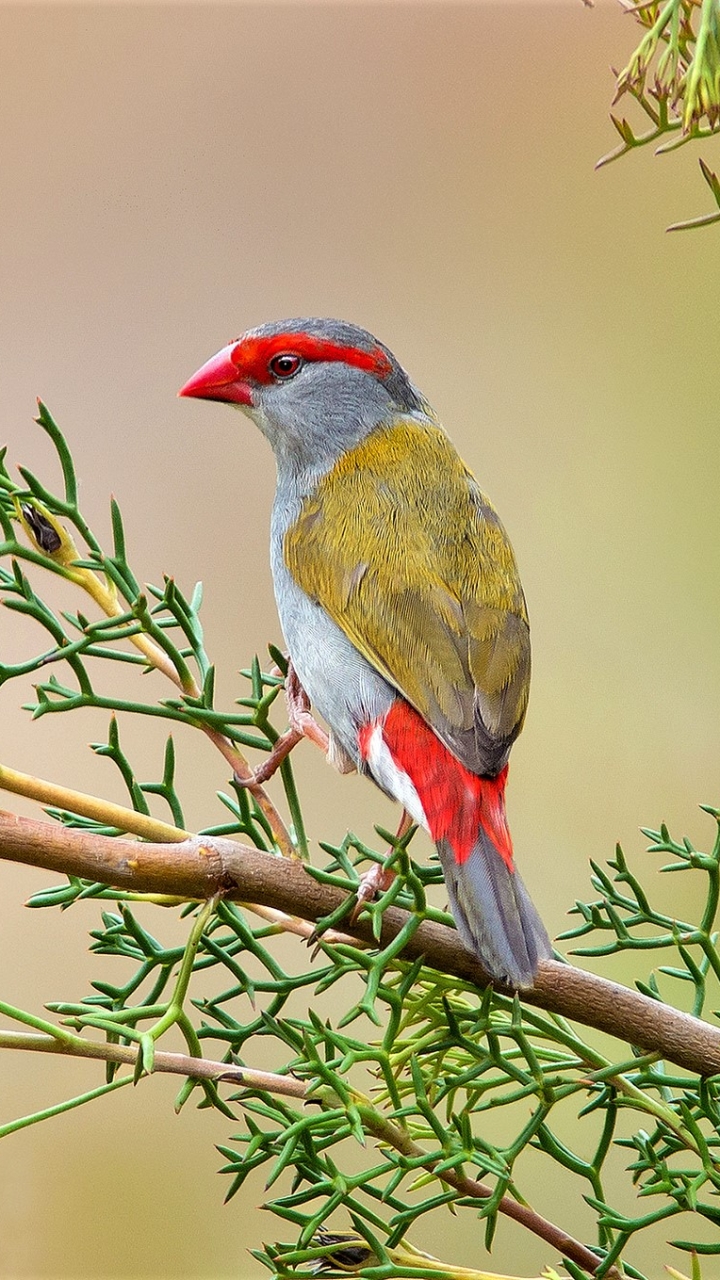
x: 251, y: 356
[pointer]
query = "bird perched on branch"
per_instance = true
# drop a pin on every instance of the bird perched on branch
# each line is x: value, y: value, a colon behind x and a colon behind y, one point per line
x: 400, y: 601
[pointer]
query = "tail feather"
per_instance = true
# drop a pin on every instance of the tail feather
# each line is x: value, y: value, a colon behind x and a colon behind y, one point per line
x: 465, y: 815
x: 494, y: 914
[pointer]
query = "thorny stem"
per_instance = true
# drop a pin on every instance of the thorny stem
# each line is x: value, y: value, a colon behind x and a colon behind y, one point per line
x: 388, y: 1131
x: 601, y: 1068
x: 175, y: 1013
x: 382, y: 1128
x: 61, y: 1108
x: 174, y: 668
x: 187, y: 684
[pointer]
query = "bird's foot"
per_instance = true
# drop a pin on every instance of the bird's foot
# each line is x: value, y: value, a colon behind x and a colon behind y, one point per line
x: 281, y: 749
x: 298, y: 707
x: 375, y: 881
x: 380, y: 876
x: 302, y: 725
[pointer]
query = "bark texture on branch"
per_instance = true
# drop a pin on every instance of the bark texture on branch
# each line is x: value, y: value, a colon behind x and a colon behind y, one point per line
x: 202, y: 866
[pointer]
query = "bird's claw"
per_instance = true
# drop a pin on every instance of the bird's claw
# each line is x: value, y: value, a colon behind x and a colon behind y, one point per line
x: 302, y: 725
x: 375, y: 881
x: 281, y: 749
x: 298, y: 707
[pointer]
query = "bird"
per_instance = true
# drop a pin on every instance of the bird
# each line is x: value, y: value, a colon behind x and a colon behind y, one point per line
x: 400, y: 602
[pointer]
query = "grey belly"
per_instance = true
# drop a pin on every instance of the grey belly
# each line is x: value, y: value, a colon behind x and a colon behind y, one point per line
x: 341, y: 684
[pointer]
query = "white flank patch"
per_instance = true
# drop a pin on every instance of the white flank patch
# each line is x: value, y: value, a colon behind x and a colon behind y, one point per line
x: 393, y: 779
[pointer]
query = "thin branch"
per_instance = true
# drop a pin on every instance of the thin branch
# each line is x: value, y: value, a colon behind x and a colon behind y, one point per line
x: 197, y: 868
x: 103, y: 811
x: 180, y: 1064
x: 381, y: 1127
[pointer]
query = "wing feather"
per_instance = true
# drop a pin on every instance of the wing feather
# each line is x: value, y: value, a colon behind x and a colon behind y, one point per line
x: 409, y: 558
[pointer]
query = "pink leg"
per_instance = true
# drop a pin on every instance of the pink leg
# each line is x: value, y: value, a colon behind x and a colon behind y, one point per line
x: 380, y: 876
x: 301, y: 721
x: 302, y: 725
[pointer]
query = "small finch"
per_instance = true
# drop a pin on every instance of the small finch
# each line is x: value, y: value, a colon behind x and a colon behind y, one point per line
x: 400, y: 602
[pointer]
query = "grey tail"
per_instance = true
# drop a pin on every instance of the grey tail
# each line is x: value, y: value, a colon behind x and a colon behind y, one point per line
x: 493, y: 913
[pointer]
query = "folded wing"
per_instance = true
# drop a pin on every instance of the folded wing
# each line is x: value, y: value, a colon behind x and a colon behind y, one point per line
x: 409, y: 558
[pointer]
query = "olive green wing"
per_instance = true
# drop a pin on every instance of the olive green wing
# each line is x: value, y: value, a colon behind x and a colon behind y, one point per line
x: 409, y: 558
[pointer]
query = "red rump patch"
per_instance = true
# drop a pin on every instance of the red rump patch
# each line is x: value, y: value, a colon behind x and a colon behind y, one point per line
x: 456, y: 802
x: 251, y: 356
x: 365, y: 733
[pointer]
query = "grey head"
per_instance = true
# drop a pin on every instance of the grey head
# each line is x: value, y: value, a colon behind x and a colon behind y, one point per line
x: 315, y: 387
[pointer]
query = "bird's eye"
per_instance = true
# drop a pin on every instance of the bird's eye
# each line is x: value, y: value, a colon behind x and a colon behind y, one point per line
x: 284, y: 365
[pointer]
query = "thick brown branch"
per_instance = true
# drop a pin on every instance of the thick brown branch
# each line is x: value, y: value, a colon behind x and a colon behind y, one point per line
x: 202, y: 866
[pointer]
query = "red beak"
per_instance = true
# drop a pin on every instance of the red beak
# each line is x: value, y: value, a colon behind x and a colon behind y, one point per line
x: 218, y: 379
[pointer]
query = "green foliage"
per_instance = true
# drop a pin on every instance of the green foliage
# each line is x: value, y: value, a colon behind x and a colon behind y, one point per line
x: 674, y: 76
x: 626, y: 913
x: 415, y: 1093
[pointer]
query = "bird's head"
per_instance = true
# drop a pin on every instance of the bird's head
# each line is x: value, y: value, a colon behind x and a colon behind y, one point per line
x: 314, y: 387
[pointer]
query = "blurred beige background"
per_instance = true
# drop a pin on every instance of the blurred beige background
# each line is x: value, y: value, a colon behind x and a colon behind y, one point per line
x: 171, y: 175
